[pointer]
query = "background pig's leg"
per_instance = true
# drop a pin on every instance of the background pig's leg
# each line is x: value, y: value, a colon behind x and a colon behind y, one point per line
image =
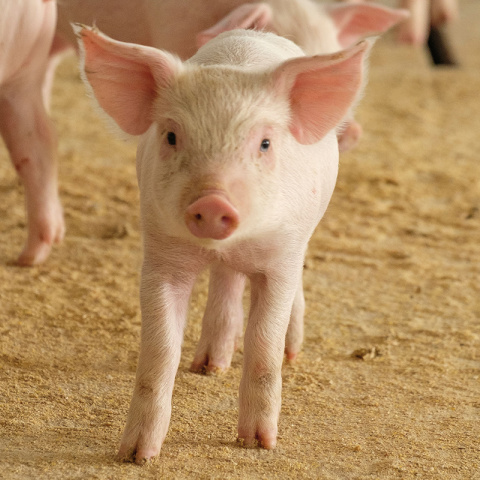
x: 164, y: 302
x: 415, y: 29
x: 349, y: 135
x: 222, y: 325
x: 442, y: 12
x: 30, y: 138
x: 261, y: 385
x: 294, y: 338
x: 439, y: 47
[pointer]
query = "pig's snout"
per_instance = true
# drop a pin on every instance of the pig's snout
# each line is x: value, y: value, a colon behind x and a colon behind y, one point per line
x: 211, y: 216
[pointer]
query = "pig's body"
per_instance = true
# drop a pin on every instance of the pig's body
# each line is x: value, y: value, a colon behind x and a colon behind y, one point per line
x: 173, y: 25
x: 26, y: 29
x: 26, y: 32
x: 236, y: 164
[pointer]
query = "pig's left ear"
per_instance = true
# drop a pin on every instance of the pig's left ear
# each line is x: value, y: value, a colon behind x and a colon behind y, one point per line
x: 248, y: 16
x: 359, y: 20
x: 125, y: 78
x: 321, y: 89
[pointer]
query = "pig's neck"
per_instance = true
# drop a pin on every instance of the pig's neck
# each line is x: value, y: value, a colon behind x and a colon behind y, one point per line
x: 248, y: 256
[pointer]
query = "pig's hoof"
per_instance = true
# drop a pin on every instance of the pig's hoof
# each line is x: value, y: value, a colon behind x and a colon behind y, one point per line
x: 266, y: 440
x: 140, y: 456
x: 291, y: 356
x: 292, y: 350
x: 255, y: 434
x: 214, y: 358
x: 207, y: 366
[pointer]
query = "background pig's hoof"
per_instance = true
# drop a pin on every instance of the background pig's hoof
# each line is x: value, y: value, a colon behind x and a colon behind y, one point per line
x: 34, y: 255
x: 41, y: 238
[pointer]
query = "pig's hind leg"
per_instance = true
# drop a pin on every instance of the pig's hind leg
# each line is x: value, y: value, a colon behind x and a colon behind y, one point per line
x: 222, y: 324
x: 31, y: 141
x: 294, y: 338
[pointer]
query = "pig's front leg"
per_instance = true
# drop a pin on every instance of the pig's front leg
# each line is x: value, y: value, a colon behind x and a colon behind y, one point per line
x: 31, y: 141
x: 264, y: 344
x: 164, y: 301
x: 222, y: 325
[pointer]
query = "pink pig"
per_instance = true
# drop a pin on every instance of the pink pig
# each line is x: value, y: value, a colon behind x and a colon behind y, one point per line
x: 26, y: 33
x: 179, y: 26
x: 236, y: 163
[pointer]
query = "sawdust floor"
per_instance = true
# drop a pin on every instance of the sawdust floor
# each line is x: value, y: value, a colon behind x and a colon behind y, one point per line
x: 393, y: 269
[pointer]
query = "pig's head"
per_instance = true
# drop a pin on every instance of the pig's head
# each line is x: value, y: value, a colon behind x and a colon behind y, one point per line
x: 227, y: 150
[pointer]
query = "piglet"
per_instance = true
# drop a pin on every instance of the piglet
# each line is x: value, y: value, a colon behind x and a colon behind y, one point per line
x: 236, y: 163
x: 26, y: 32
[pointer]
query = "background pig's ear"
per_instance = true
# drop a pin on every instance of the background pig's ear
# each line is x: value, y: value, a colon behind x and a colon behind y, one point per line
x: 125, y: 78
x: 248, y: 16
x: 321, y: 89
x: 356, y: 21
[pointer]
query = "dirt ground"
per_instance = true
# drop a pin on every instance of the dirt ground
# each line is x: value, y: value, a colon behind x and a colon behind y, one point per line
x: 393, y: 269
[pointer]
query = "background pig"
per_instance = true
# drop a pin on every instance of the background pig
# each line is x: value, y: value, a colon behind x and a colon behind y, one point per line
x: 317, y: 27
x: 180, y: 27
x: 177, y: 26
x: 26, y: 32
x: 236, y: 164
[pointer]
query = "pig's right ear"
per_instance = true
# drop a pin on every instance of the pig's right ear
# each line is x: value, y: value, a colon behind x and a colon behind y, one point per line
x: 125, y: 78
x: 248, y: 16
x: 321, y: 89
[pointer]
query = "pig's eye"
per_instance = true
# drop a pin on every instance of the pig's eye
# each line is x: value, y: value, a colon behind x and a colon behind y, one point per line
x: 265, y: 145
x: 171, y: 138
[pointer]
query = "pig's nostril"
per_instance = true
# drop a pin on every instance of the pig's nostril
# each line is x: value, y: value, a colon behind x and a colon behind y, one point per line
x: 211, y: 216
